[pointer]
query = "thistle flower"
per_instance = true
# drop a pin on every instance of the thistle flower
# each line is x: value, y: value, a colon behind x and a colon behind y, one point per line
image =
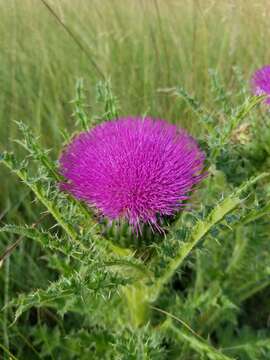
x: 133, y: 168
x: 260, y: 82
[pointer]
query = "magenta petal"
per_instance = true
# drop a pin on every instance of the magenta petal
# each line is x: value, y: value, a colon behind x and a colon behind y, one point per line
x: 136, y: 168
x: 260, y: 82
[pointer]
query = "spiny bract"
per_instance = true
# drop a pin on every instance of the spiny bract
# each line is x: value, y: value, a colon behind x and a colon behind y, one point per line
x: 260, y: 82
x: 133, y: 168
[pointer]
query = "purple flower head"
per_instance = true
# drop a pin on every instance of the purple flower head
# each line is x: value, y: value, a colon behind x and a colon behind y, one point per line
x: 260, y: 82
x: 133, y: 168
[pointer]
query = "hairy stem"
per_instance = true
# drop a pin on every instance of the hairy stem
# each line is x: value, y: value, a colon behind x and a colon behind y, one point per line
x: 197, y: 343
x: 199, y: 231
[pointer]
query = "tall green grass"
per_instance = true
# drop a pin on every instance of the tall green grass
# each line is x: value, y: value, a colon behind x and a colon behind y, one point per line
x: 143, y: 46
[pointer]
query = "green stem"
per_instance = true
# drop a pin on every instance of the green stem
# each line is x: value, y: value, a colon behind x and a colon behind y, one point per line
x: 11, y: 356
x: 197, y: 343
x: 55, y: 212
x: 199, y: 231
x: 241, y: 242
x: 137, y: 303
x: 252, y: 288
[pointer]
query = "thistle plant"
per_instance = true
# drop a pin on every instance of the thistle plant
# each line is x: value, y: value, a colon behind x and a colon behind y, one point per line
x: 133, y: 168
x: 141, y: 266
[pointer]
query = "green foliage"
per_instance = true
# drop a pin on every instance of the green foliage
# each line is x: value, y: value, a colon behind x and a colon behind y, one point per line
x: 184, y: 294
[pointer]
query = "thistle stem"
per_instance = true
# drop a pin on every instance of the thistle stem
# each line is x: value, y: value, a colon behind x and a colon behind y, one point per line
x: 199, y: 231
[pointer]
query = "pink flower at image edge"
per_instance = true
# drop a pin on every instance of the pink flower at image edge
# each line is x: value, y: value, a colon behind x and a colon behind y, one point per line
x: 260, y: 82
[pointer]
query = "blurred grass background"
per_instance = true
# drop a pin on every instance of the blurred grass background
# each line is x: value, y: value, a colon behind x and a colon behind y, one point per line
x: 142, y: 46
